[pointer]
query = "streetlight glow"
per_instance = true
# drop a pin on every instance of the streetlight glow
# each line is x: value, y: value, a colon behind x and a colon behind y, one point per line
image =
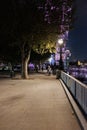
x: 50, y: 59
x: 60, y: 41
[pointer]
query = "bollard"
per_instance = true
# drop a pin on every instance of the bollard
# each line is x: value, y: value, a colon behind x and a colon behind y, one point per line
x: 58, y: 74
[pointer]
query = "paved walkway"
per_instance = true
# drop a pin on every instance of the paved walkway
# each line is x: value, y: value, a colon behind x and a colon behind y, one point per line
x: 38, y: 103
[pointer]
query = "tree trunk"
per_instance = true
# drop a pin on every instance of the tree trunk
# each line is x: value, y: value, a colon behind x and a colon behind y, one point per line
x: 25, y: 69
x: 25, y: 60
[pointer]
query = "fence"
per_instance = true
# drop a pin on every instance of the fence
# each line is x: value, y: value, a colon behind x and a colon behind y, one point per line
x: 78, y: 91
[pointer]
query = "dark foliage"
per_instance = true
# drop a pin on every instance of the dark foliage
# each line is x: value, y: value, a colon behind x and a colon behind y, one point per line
x: 22, y: 17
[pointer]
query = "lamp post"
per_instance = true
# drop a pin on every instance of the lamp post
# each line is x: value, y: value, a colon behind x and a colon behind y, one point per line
x: 68, y: 54
x: 60, y: 43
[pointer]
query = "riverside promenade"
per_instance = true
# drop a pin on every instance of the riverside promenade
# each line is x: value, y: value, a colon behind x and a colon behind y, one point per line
x: 38, y: 103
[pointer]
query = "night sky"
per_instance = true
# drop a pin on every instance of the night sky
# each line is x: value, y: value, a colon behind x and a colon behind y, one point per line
x: 77, y: 42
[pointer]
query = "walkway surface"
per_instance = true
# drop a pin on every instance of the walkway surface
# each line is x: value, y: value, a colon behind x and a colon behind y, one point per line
x: 38, y: 103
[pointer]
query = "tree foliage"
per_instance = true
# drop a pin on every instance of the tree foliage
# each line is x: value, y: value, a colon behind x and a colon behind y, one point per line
x: 23, y: 25
x: 22, y: 18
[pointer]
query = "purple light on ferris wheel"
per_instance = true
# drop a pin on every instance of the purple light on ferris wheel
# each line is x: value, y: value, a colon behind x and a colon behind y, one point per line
x: 57, y: 12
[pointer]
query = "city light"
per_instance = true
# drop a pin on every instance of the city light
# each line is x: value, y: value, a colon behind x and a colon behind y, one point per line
x: 50, y: 59
x: 60, y: 42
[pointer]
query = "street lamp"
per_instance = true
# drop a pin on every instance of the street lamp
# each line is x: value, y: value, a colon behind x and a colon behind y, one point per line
x: 68, y: 54
x: 60, y: 43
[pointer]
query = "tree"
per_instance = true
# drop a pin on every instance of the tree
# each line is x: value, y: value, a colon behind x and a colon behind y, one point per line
x: 46, y: 44
x: 20, y: 28
x: 24, y: 27
x: 33, y: 35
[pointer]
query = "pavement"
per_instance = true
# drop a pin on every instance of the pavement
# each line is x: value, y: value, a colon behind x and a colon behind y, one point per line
x: 38, y: 103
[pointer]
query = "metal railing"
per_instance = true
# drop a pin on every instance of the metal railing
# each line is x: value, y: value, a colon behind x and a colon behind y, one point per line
x: 77, y: 89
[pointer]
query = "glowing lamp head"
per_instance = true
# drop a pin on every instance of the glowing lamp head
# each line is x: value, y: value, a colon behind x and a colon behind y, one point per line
x: 50, y: 59
x: 60, y: 42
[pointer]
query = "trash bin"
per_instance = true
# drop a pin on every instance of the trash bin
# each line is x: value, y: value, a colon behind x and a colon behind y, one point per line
x: 58, y: 74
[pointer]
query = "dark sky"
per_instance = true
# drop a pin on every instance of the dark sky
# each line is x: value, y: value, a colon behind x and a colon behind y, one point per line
x: 78, y: 36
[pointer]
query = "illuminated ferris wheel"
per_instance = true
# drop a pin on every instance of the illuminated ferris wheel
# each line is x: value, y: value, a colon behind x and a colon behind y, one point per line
x: 58, y: 12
